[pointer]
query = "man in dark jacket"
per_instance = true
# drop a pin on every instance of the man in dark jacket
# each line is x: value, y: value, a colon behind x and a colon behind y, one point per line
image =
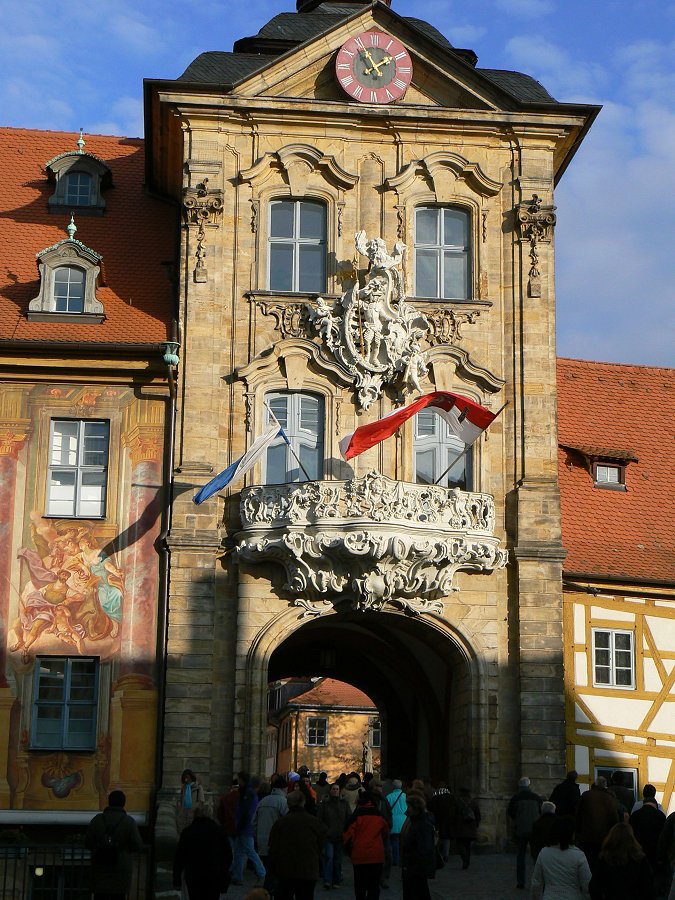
x: 112, y: 836
x: 204, y: 855
x: 566, y: 795
x: 243, y: 839
x: 647, y: 824
x: 597, y: 813
x: 333, y: 812
x: 418, y: 853
x: 295, y: 846
x: 524, y: 809
x: 443, y: 807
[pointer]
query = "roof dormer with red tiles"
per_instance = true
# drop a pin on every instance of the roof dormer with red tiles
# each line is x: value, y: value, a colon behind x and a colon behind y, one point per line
x: 616, y: 430
x: 132, y: 232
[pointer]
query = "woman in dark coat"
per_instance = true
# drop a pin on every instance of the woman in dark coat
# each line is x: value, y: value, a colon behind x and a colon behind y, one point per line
x: 203, y: 856
x: 418, y: 852
x: 622, y: 871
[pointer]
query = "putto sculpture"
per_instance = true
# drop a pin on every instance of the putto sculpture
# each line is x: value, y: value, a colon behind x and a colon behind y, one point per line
x: 373, y: 331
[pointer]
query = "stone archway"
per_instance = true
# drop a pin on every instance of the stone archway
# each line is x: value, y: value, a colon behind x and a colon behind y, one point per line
x: 421, y: 673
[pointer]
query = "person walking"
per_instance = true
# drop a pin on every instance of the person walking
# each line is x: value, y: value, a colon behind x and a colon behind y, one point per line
x: 375, y: 791
x: 561, y: 871
x: 647, y: 824
x: 566, y: 795
x: 203, y: 857
x: 622, y: 871
x: 191, y: 793
x: 465, y: 826
x: 443, y: 807
x: 541, y: 830
x: 596, y: 814
x: 397, y: 803
x: 268, y: 810
x: 112, y: 836
x: 365, y: 837
x: 333, y: 813
x: 295, y: 847
x: 418, y: 851
x: 243, y: 839
x: 524, y: 809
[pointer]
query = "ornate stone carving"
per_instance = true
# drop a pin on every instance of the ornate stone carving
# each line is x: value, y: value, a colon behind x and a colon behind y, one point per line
x: 202, y: 206
x: 372, y: 539
x: 373, y: 332
x: 535, y: 223
x: 445, y: 325
x: 292, y: 319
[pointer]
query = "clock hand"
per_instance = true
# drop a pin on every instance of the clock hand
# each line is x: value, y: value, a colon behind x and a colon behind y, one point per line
x: 376, y: 66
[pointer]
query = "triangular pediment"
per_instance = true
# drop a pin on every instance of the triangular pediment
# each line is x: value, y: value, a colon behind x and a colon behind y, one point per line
x: 441, y: 78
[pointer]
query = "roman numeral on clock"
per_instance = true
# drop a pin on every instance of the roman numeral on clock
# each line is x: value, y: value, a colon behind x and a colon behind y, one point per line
x: 401, y: 85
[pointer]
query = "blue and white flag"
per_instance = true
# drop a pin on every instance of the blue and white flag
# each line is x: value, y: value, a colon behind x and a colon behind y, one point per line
x: 242, y: 465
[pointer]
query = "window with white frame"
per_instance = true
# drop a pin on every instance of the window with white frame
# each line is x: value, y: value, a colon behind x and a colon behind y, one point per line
x: 317, y: 731
x: 78, y: 188
x: 78, y: 468
x: 613, y: 658
x: 436, y: 451
x: 609, y: 475
x: 65, y: 701
x: 297, y: 246
x: 442, y: 252
x: 69, y: 289
x: 302, y: 418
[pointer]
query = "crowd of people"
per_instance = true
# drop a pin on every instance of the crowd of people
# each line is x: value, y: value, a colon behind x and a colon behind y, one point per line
x: 601, y: 843
x: 295, y: 833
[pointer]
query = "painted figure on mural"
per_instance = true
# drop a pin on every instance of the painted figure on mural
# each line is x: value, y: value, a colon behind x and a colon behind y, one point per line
x: 75, y: 592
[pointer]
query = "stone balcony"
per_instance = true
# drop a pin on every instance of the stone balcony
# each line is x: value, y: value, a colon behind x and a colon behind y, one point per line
x: 370, y: 539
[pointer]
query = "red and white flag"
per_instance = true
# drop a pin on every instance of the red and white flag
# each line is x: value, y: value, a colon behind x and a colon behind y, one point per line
x: 466, y: 418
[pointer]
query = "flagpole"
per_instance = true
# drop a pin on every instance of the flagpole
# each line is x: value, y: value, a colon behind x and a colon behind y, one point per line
x: 467, y: 448
x: 290, y: 446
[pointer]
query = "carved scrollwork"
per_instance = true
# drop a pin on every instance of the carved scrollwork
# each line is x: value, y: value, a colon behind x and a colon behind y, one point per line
x: 201, y: 206
x: 535, y: 222
x: 292, y: 319
x: 445, y: 325
x: 372, y: 539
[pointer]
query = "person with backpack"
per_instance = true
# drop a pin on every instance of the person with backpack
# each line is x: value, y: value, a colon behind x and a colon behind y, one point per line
x: 524, y: 809
x: 397, y: 804
x: 112, y: 836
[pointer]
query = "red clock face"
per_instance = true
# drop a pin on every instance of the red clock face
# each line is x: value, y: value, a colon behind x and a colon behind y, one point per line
x: 374, y: 67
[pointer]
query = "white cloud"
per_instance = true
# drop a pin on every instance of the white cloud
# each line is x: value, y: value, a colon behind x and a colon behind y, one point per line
x: 124, y: 117
x: 562, y: 75
x: 464, y: 35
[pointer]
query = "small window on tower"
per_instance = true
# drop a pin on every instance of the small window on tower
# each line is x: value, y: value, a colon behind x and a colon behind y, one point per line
x: 609, y: 475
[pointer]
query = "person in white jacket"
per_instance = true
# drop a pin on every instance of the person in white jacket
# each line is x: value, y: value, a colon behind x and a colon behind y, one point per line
x: 561, y: 871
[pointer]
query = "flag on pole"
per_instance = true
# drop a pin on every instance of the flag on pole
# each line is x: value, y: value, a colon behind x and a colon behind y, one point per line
x: 242, y: 465
x: 466, y: 419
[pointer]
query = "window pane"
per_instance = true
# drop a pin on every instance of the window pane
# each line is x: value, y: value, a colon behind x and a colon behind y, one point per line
x: 78, y: 188
x: 601, y: 657
x: 426, y: 273
x: 624, y: 677
x: 95, y: 452
x: 601, y: 676
x: 52, y: 679
x: 276, y: 464
x: 608, y: 474
x: 81, y: 727
x: 424, y: 466
x: 456, y: 477
x: 312, y: 220
x: 312, y: 267
x: 622, y: 641
x: 425, y: 423
x: 455, y: 232
x: 61, y: 500
x: 64, y: 444
x: 455, y: 275
x: 311, y: 459
x: 426, y: 226
x: 602, y: 639
x: 48, y: 727
x: 281, y: 267
x: 309, y: 414
x: 279, y: 407
x: 92, y: 494
x: 69, y: 289
x: 281, y: 218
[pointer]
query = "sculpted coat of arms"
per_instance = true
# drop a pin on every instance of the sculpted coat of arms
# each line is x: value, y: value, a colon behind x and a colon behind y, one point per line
x: 373, y: 331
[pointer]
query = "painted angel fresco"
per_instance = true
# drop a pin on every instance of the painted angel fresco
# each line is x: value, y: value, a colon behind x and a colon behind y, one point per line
x: 75, y: 592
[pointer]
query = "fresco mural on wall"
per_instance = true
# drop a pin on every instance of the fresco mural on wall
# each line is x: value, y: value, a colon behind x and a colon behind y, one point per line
x: 74, y: 595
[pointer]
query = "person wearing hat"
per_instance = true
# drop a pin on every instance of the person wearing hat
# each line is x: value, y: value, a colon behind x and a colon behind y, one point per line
x: 524, y: 809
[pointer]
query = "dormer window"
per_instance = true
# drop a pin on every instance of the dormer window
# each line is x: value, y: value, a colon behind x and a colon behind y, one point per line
x: 609, y: 476
x: 69, y: 272
x: 80, y: 179
x: 606, y: 465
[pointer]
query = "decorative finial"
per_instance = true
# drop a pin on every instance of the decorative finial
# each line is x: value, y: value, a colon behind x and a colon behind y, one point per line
x: 71, y: 228
x: 80, y: 143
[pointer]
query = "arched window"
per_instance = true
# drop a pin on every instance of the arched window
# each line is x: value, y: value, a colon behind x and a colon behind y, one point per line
x: 69, y: 289
x: 442, y: 253
x: 297, y: 246
x: 78, y: 189
x: 302, y: 418
x: 435, y: 448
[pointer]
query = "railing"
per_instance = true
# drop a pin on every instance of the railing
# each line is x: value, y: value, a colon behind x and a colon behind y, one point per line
x: 60, y: 872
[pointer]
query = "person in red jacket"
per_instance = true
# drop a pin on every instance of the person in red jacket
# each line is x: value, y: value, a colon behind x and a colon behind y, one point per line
x: 365, y: 837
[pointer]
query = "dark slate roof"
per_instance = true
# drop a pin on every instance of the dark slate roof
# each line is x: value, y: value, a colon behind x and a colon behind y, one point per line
x: 288, y: 29
x: 521, y: 86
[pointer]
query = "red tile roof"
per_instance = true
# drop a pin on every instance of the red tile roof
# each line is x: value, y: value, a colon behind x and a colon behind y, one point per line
x: 627, y: 534
x: 329, y: 692
x: 135, y: 236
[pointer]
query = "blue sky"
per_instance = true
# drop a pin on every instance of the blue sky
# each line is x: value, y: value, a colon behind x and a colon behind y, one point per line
x: 81, y: 64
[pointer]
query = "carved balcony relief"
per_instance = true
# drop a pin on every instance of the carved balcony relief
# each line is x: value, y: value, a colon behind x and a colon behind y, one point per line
x: 372, y: 539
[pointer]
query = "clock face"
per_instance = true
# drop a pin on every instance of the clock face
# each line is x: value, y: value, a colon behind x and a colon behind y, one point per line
x: 374, y: 67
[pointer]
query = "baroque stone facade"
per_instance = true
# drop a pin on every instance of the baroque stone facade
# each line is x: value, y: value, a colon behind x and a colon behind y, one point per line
x: 359, y: 571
